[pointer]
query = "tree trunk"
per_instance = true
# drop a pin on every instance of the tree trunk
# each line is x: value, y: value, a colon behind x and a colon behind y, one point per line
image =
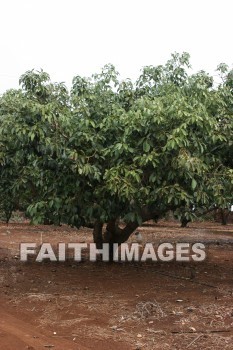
x: 224, y: 216
x: 97, y: 234
x: 115, y: 234
x: 184, y: 222
x: 8, y: 214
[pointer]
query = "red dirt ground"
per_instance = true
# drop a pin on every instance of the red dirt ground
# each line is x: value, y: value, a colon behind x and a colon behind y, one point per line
x: 119, y: 306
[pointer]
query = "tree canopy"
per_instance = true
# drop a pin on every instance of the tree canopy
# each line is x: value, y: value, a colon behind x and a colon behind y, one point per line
x: 113, y: 150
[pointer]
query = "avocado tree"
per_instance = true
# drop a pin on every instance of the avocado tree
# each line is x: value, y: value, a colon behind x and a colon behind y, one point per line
x: 112, y: 150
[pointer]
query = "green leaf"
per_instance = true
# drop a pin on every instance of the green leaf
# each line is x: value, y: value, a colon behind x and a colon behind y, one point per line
x: 194, y: 184
x: 146, y: 146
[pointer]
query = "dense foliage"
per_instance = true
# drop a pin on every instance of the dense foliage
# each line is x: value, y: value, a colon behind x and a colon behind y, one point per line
x: 112, y: 150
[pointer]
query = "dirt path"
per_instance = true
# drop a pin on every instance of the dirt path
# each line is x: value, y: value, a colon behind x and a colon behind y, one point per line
x: 16, y: 334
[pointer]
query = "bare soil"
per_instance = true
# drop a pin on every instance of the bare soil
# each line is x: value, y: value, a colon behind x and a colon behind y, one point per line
x: 119, y: 306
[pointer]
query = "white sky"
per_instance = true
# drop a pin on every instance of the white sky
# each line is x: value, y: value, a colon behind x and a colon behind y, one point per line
x: 72, y: 37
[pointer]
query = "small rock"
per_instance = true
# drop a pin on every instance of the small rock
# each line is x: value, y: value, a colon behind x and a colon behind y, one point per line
x: 190, y: 309
x: 114, y: 328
